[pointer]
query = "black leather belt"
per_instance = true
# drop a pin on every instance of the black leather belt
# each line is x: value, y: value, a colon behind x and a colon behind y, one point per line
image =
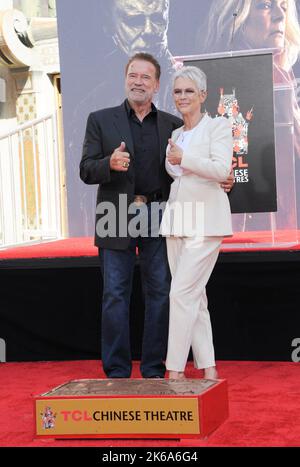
x: 146, y: 199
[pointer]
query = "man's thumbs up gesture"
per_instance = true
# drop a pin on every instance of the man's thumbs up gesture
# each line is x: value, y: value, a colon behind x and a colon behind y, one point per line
x: 174, y: 154
x: 119, y: 160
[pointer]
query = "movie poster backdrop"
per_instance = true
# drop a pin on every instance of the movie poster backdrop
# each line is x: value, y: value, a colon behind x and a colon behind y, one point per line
x: 95, y: 44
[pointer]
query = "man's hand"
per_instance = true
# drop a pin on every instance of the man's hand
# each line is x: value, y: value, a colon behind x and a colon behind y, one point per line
x: 228, y: 184
x: 119, y: 160
x: 174, y: 154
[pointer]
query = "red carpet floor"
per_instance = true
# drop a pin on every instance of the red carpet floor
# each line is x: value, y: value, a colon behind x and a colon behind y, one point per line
x: 264, y: 404
x: 84, y: 246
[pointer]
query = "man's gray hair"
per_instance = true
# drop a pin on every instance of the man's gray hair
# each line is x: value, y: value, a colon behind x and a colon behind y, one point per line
x: 195, y: 74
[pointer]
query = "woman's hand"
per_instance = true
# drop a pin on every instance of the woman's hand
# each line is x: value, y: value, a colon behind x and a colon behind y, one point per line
x: 174, y: 154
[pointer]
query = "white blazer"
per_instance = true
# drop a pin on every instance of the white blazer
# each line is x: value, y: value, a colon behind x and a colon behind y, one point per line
x: 197, y: 205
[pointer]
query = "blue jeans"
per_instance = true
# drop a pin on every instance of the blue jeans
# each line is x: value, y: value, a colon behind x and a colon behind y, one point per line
x: 117, y: 268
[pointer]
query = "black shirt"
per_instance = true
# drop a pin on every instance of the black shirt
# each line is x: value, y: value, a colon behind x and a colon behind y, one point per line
x: 146, y: 151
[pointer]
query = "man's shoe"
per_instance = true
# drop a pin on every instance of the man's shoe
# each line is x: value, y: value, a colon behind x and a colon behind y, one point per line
x: 114, y: 376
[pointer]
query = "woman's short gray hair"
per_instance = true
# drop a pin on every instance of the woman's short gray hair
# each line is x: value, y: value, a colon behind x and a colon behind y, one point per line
x: 195, y: 74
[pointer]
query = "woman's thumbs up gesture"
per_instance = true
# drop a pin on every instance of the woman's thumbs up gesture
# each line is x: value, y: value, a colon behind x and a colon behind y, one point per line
x: 174, y: 153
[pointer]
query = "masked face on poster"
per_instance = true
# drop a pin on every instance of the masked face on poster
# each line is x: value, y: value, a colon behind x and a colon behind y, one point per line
x: 140, y: 25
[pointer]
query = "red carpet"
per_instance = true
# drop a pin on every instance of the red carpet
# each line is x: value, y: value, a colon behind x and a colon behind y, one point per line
x: 84, y: 246
x: 264, y: 404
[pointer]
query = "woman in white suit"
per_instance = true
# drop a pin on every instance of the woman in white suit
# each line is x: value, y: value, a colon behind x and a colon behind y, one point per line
x: 196, y: 219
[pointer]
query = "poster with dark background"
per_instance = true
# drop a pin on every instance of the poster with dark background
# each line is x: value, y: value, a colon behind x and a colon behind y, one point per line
x: 243, y: 82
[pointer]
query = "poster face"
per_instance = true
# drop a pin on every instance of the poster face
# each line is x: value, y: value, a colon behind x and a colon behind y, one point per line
x: 95, y: 44
x: 240, y: 89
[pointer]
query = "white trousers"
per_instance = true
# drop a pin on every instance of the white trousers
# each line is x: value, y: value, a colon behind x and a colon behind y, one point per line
x: 191, y: 263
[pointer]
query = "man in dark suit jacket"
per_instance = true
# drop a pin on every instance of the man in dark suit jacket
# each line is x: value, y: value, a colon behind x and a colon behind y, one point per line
x: 124, y: 153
